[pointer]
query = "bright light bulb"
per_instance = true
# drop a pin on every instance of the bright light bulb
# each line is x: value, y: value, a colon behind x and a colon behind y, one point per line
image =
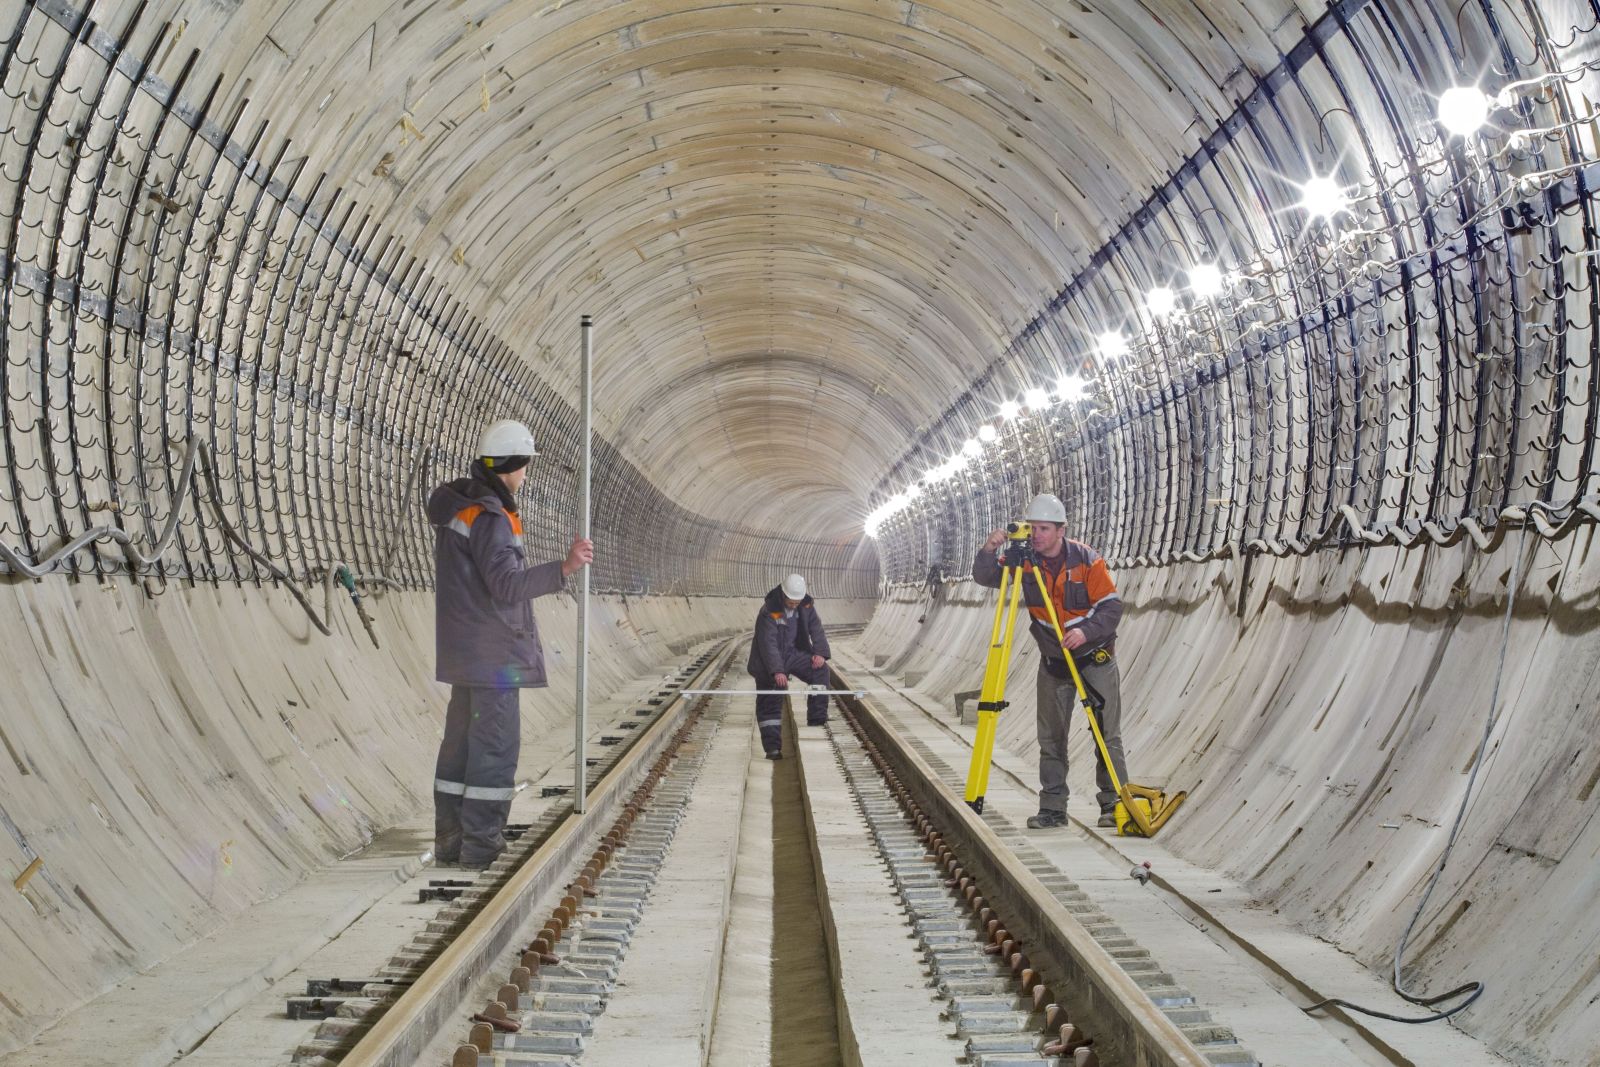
x: 1010, y: 409
x: 986, y: 432
x: 972, y: 447
x: 1205, y: 280
x: 1463, y: 110
x: 1112, y: 344
x: 1036, y: 399
x: 1323, y: 198
x: 1161, y: 301
x: 912, y: 492
x: 1072, y: 388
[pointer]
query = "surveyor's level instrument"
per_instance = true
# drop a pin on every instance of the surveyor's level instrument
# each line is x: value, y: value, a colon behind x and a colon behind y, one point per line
x: 1141, y: 809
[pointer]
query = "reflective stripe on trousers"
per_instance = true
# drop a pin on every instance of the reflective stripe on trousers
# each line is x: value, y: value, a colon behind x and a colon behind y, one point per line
x: 473, y: 792
x: 475, y: 777
x: 769, y: 709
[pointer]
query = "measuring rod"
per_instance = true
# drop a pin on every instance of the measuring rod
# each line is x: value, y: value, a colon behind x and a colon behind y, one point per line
x: 797, y: 691
x: 579, y: 767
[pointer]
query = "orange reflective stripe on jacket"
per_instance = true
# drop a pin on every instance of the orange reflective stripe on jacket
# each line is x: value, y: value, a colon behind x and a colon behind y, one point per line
x: 462, y: 523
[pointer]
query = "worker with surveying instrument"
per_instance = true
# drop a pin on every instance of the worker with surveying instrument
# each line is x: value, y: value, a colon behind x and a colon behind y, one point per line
x: 1087, y: 607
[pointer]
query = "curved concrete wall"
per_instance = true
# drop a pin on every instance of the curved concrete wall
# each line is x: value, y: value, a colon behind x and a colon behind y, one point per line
x: 1351, y: 693
x: 175, y: 760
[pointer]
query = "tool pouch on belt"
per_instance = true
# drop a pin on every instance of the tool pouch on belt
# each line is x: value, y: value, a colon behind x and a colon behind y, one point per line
x: 1057, y: 668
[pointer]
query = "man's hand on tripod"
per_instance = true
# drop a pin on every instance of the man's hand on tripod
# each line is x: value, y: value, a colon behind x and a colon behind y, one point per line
x: 1072, y: 639
x: 994, y: 541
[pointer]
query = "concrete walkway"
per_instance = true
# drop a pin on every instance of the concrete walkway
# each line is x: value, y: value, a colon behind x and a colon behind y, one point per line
x: 1252, y: 969
x: 741, y: 1028
x: 888, y: 1010
x: 220, y: 1003
x: 661, y: 1010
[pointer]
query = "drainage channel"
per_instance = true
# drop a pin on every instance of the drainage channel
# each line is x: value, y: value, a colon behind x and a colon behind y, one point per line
x: 352, y: 1009
x: 1032, y: 971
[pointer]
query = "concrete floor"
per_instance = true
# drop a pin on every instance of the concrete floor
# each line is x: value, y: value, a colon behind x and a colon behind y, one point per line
x: 1244, y: 962
x: 667, y: 987
x: 220, y: 1002
x: 889, y: 1012
x: 733, y: 964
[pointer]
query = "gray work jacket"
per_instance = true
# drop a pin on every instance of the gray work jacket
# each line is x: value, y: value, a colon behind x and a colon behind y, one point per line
x: 776, y: 634
x: 485, y: 632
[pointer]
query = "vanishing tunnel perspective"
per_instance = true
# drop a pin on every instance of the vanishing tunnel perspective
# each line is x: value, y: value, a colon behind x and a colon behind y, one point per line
x: 542, y: 533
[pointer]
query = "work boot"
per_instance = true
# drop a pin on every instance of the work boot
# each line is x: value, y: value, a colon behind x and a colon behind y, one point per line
x: 1047, y: 819
x: 774, y: 755
x: 482, y: 864
x: 1108, y: 819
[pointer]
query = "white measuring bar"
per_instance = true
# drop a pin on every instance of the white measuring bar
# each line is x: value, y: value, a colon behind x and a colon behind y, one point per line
x: 791, y: 691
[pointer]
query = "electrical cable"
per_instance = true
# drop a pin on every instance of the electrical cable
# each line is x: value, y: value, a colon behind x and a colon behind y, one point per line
x: 1471, y: 990
x: 136, y: 559
x: 195, y: 454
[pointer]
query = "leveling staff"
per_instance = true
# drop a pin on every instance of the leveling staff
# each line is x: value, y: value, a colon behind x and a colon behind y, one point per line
x: 1089, y: 608
x: 488, y: 642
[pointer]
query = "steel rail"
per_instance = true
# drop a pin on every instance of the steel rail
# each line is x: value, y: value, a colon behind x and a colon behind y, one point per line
x: 430, y: 1006
x: 1129, y: 1029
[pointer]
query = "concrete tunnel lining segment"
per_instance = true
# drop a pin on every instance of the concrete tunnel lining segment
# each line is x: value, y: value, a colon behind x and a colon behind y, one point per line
x: 326, y: 239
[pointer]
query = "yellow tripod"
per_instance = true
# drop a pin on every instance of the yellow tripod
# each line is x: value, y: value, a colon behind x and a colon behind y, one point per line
x: 1141, y: 810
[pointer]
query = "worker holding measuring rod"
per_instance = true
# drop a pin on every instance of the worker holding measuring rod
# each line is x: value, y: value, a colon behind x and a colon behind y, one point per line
x: 488, y: 642
x: 1088, y: 607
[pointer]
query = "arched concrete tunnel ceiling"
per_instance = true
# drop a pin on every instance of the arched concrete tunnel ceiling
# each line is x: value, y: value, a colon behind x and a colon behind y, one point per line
x: 803, y: 228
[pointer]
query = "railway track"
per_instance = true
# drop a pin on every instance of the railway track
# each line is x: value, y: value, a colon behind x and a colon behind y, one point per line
x: 394, y: 1017
x: 1062, y: 982
x: 522, y: 966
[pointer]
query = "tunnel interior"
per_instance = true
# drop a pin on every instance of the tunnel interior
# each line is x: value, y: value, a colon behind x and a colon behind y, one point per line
x: 1292, y: 303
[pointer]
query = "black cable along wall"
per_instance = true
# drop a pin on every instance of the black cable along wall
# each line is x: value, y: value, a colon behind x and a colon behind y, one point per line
x: 1422, y: 369
x: 170, y: 272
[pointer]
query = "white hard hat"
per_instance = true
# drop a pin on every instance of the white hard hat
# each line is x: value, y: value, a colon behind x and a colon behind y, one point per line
x: 1046, y: 507
x: 794, y: 587
x: 507, y: 437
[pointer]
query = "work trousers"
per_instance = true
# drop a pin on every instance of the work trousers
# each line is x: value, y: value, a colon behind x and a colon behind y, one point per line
x: 476, y: 775
x: 1057, y: 704
x: 769, y: 709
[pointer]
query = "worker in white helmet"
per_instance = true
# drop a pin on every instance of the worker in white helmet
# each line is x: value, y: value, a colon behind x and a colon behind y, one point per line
x: 789, y: 642
x: 487, y: 641
x: 1089, y: 609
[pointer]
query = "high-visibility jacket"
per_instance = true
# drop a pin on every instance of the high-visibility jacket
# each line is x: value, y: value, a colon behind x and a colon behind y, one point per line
x: 485, y: 633
x: 1081, y: 588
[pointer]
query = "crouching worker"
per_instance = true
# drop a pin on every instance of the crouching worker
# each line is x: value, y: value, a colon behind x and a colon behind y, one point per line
x: 789, y: 643
x: 488, y: 642
x: 1088, y: 608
